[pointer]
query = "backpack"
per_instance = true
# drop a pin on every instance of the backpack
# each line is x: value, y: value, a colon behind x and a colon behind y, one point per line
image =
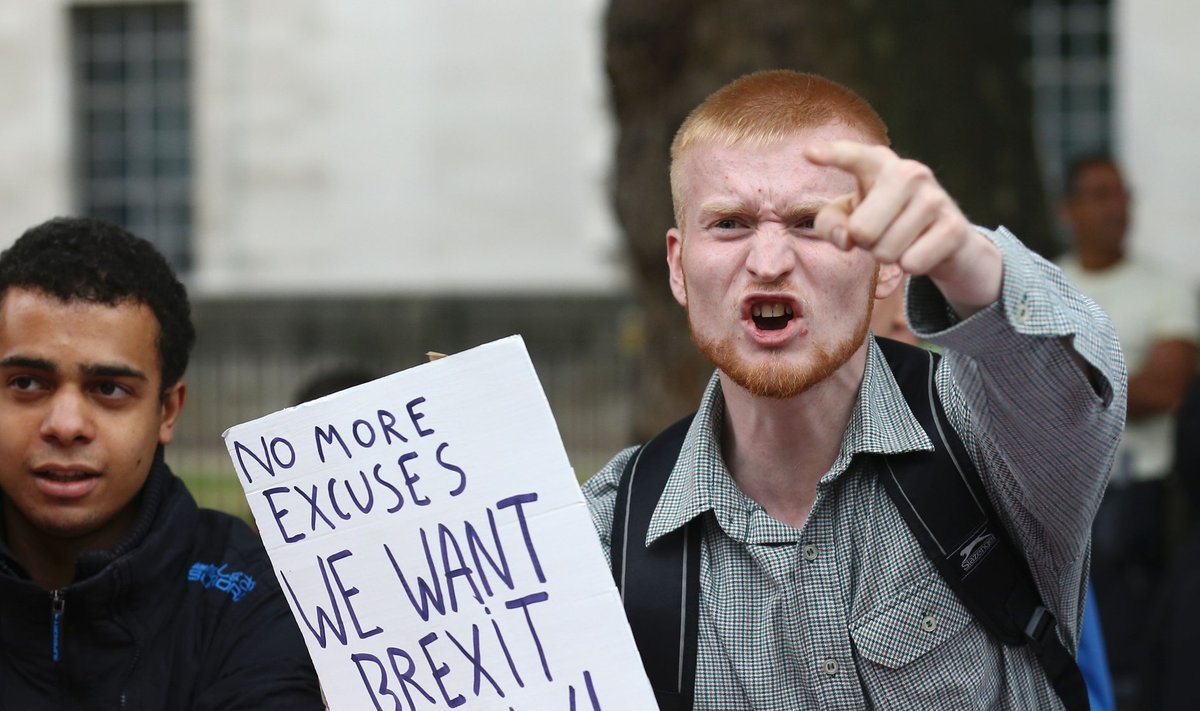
x: 938, y: 494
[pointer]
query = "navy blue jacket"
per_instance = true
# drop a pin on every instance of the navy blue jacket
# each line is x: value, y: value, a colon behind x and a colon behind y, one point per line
x: 186, y: 613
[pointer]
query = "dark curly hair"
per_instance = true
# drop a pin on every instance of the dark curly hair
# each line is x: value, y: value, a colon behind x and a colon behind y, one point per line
x: 85, y: 259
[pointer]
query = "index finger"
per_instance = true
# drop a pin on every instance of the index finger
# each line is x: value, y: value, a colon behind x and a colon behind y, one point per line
x: 863, y: 161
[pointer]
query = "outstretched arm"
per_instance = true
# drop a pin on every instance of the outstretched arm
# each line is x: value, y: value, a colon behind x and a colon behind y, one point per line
x: 1033, y: 365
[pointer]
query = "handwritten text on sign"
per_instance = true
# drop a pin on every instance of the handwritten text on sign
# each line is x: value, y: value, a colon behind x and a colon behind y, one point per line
x: 434, y: 547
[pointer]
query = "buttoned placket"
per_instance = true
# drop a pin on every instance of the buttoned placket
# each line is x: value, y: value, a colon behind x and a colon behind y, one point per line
x: 830, y: 659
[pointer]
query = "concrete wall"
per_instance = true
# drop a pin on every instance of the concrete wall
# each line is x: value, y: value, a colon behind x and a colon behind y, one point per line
x: 34, y: 118
x: 362, y: 146
x: 1158, y: 126
x: 407, y: 146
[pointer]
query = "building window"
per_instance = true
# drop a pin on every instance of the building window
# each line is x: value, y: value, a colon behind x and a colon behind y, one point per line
x: 1072, y: 81
x: 132, y: 121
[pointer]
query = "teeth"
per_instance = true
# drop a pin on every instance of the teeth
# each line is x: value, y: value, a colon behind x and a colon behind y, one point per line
x: 64, y: 476
x: 771, y: 310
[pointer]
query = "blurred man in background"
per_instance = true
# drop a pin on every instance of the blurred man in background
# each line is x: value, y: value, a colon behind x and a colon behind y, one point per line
x: 116, y: 591
x: 1156, y: 320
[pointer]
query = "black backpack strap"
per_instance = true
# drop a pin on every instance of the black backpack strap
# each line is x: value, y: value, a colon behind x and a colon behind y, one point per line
x: 659, y: 584
x: 942, y: 499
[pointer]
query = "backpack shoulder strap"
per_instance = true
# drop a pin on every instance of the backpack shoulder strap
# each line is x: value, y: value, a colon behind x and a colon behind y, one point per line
x: 659, y: 584
x: 941, y: 498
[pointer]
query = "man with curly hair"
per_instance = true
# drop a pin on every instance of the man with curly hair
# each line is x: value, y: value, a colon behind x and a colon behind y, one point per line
x: 116, y: 590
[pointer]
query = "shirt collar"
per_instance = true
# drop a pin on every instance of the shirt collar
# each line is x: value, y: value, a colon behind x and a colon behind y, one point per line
x: 881, y: 423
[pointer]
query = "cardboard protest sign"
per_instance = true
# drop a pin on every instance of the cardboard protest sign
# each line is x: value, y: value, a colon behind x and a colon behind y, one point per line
x: 435, y: 549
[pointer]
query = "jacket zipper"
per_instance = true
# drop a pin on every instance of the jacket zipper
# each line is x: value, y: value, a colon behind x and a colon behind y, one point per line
x: 58, y: 603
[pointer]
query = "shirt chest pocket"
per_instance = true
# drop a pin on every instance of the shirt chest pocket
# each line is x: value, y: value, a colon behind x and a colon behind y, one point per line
x: 911, y: 624
x: 921, y: 648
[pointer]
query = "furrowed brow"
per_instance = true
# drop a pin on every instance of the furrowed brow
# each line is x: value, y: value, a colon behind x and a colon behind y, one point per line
x: 723, y: 207
x: 795, y: 213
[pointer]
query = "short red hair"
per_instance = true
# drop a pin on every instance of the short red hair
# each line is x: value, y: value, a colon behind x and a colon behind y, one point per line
x: 766, y: 107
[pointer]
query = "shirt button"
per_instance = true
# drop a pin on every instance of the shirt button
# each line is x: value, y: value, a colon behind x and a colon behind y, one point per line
x: 830, y: 666
x: 1021, y: 313
x: 929, y: 623
x: 809, y: 552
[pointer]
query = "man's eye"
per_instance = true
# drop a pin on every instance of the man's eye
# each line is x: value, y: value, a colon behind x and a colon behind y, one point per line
x: 806, y: 223
x: 728, y: 224
x: 111, y: 390
x: 22, y: 382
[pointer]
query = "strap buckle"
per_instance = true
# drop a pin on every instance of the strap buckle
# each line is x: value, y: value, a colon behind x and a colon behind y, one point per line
x: 1041, y: 623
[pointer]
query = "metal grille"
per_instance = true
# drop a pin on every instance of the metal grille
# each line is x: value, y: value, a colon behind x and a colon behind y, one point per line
x: 252, y: 357
x: 132, y: 121
x: 1072, y: 81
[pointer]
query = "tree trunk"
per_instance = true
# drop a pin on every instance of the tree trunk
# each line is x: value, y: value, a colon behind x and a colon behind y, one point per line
x: 946, y: 77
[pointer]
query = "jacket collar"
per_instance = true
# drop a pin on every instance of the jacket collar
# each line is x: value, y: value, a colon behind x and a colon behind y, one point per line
x: 152, y: 495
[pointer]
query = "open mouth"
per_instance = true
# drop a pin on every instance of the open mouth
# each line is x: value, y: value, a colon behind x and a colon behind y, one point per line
x: 66, y: 483
x: 63, y: 476
x: 771, y: 315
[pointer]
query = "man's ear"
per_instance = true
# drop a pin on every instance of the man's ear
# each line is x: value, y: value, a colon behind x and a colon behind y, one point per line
x: 890, y: 278
x: 675, y: 263
x: 172, y: 405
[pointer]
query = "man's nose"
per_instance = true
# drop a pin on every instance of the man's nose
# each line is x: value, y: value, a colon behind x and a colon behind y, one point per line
x: 68, y: 421
x: 772, y: 254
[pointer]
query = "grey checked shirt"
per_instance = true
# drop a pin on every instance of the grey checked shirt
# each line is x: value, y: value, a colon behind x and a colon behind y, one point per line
x: 848, y: 612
